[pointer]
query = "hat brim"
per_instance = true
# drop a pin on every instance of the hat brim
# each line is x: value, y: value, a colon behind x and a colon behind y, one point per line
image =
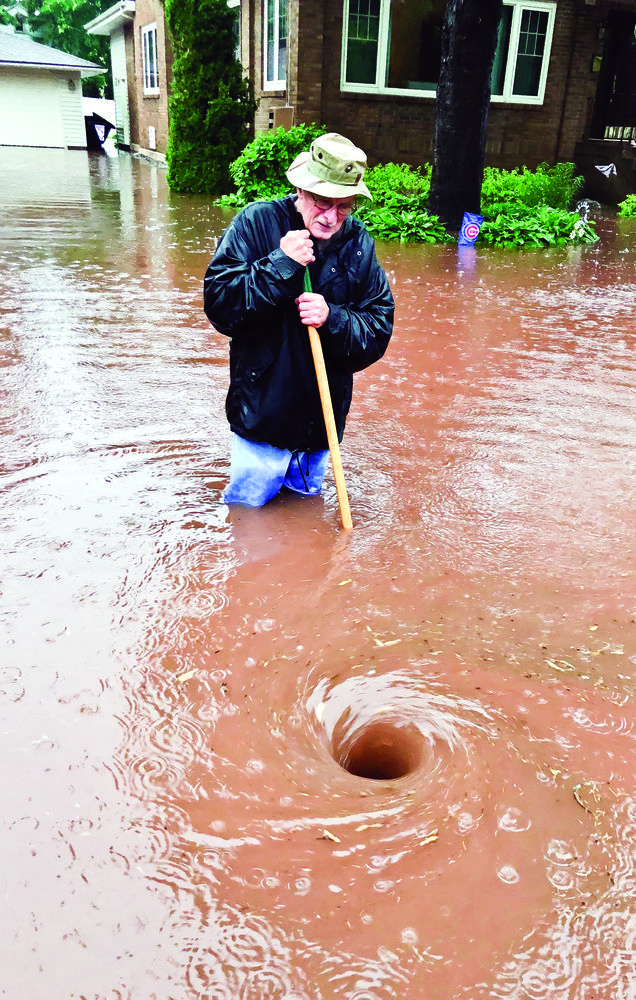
x: 299, y: 176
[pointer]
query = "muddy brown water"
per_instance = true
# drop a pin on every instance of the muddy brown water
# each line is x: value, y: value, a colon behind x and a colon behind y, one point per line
x: 247, y: 755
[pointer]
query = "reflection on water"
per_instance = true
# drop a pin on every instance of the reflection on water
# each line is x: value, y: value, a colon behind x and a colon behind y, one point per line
x: 249, y: 755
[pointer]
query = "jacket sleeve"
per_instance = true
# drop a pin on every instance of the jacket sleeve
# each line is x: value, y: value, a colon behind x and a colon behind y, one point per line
x: 240, y: 287
x: 358, y: 333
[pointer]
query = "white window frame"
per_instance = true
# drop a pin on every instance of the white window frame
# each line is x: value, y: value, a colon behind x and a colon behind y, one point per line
x: 148, y: 49
x: 547, y: 6
x: 518, y: 7
x: 278, y: 80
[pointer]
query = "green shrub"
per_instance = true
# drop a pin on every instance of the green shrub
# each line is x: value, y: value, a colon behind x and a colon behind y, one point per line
x: 503, y: 191
x: 211, y: 106
x: 398, y: 210
x: 525, y: 208
x: 405, y: 225
x: 544, y: 227
x: 398, y: 184
x: 259, y: 171
x: 627, y: 208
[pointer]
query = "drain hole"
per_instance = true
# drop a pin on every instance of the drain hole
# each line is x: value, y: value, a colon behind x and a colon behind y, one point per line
x: 381, y: 752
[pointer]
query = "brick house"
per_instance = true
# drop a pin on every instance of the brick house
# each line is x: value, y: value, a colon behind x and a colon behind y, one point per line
x: 141, y: 59
x: 564, y: 80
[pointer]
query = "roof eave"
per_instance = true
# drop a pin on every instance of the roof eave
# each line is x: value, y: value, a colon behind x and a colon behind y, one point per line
x: 84, y: 71
x: 110, y: 20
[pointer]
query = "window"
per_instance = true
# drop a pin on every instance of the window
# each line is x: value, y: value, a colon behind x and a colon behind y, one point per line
x: 521, y: 60
x: 362, y: 47
x: 396, y: 46
x: 393, y: 46
x: 275, y: 44
x: 149, y: 58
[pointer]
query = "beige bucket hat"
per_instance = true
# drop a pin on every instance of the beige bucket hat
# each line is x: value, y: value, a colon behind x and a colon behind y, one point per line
x: 333, y: 168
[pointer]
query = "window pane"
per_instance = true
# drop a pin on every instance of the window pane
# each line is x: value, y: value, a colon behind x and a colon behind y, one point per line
x: 362, y: 41
x: 282, y: 40
x: 415, y: 46
x: 532, y: 36
x: 270, y: 58
x: 501, y: 53
x: 152, y: 58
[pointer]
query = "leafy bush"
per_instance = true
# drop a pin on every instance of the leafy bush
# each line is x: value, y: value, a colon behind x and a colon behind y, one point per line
x: 544, y: 227
x: 211, y: 106
x: 525, y: 208
x: 404, y: 225
x: 259, y: 172
x: 505, y: 190
x: 627, y: 208
x: 398, y: 210
x: 398, y: 184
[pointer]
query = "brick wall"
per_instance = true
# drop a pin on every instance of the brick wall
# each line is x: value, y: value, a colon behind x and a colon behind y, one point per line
x: 252, y: 28
x: 133, y: 102
x: 150, y: 110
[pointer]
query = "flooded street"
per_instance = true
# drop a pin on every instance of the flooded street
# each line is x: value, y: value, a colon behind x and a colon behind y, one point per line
x: 247, y: 755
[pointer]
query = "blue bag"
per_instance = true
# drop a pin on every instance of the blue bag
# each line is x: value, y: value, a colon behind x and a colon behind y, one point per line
x: 471, y: 224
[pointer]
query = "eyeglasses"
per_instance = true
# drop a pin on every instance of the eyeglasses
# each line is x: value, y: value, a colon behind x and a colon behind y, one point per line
x: 326, y: 206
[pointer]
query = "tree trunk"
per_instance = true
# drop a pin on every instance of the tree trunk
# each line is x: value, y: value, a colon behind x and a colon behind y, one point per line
x: 469, y: 40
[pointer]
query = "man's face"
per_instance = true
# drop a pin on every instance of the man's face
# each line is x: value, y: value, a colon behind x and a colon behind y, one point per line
x: 323, y: 217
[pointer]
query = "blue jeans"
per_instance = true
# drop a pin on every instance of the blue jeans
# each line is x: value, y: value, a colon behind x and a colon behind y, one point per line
x: 259, y: 471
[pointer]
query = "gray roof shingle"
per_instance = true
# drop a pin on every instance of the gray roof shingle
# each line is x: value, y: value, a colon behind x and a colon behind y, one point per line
x: 17, y: 49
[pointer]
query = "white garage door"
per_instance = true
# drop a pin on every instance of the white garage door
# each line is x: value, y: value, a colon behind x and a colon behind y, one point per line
x: 30, y: 112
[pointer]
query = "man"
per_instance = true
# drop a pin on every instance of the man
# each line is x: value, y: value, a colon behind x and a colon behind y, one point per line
x: 253, y: 293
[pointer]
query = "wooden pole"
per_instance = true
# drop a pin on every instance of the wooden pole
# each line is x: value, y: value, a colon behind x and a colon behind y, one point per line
x: 330, y: 423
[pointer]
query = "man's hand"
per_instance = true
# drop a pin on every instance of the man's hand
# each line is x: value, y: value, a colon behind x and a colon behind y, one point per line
x: 297, y: 245
x: 312, y: 309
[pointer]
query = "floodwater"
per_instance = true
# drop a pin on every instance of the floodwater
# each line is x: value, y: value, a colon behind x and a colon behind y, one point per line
x: 247, y: 755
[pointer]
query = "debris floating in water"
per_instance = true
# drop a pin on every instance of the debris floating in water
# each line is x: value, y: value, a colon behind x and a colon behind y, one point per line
x: 328, y: 835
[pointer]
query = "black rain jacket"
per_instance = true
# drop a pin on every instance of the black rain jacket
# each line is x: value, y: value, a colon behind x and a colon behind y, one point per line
x: 250, y: 289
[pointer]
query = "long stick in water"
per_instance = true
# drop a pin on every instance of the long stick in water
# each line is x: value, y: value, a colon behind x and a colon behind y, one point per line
x: 330, y: 423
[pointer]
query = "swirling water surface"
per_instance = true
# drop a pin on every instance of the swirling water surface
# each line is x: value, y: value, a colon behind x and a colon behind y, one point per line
x: 247, y: 755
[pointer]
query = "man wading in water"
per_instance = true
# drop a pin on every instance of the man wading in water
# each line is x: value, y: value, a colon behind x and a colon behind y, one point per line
x: 253, y: 293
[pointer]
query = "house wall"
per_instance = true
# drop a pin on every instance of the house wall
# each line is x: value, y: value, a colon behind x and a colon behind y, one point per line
x: 148, y: 111
x: 39, y: 107
x: 72, y: 111
x: 403, y: 128
x: 121, y: 62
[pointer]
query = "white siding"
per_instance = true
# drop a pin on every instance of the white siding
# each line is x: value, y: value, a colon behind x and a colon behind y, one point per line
x: 30, y: 112
x: 72, y: 112
x: 120, y: 84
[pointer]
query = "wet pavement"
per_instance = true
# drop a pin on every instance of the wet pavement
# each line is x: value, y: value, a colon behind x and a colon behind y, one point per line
x: 248, y: 755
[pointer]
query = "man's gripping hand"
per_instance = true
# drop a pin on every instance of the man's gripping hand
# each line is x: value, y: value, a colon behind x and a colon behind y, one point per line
x: 297, y: 245
x: 312, y: 309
